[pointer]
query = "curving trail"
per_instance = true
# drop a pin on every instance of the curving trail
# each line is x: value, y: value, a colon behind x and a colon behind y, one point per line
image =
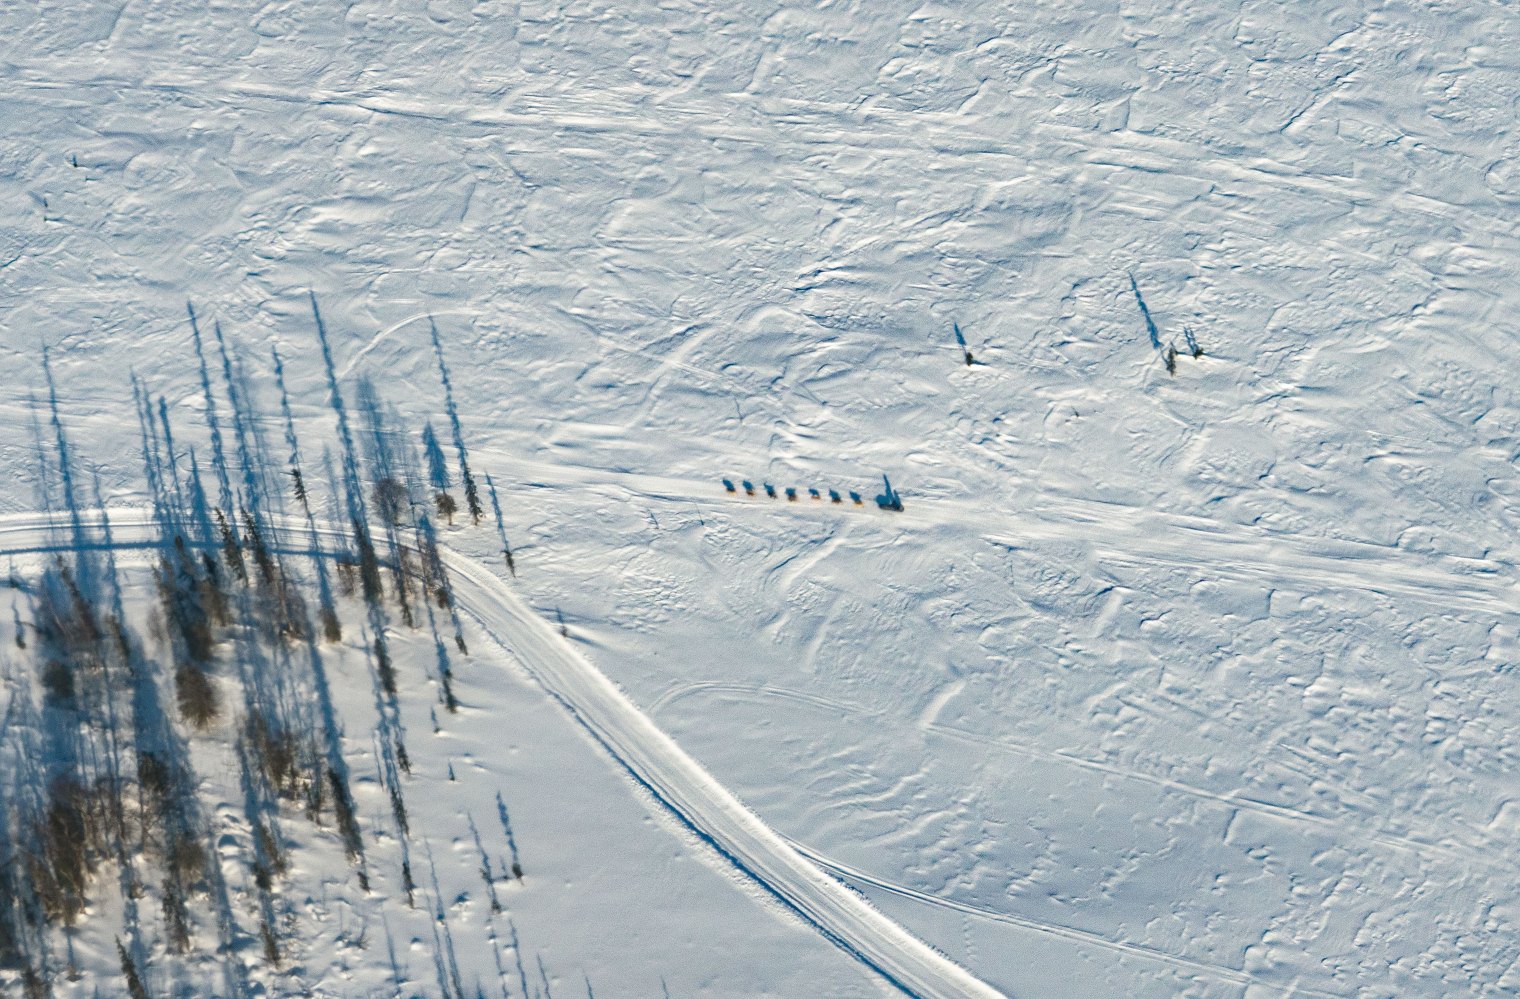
x: 1237, y: 977
x: 649, y: 756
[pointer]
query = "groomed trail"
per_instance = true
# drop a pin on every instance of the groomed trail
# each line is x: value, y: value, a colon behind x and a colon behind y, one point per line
x: 650, y: 757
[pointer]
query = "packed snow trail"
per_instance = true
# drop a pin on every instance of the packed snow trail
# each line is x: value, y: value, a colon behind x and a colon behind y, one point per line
x: 1118, y: 535
x: 650, y: 756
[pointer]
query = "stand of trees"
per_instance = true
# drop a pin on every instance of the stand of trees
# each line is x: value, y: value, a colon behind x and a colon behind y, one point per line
x: 117, y: 676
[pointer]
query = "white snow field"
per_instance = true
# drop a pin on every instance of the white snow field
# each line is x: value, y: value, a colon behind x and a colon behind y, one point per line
x: 597, y: 848
x: 1197, y: 682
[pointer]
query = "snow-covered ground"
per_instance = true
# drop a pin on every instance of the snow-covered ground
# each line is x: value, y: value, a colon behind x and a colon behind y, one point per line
x: 1162, y: 684
x: 608, y: 871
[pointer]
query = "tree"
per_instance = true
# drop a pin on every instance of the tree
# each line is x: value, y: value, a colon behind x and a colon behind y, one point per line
x: 199, y: 703
x: 391, y: 499
x: 135, y: 987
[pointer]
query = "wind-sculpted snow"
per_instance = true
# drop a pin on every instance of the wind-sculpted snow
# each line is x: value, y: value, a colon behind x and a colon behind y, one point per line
x: 702, y: 804
x: 1183, y: 331
x: 649, y: 756
x: 101, y: 779
x: 677, y: 783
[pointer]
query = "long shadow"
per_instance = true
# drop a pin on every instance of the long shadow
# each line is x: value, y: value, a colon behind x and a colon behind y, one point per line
x: 213, y: 421
x: 252, y: 455
x: 23, y: 924
x: 1150, y: 324
x: 331, y: 629
x: 125, y: 860
x: 471, y: 494
x: 358, y: 513
x: 442, y: 920
x: 522, y: 973
x: 170, y: 454
x: 84, y: 570
x: 200, y: 503
x: 393, y: 472
x: 337, y: 767
x: 506, y: 827
x: 960, y: 341
x: 486, y: 873
x: 437, y: 464
x: 434, y: 566
x: 352, y: 492
x: 501, y: 527
x: 152, y: 460
x: 291, y: 440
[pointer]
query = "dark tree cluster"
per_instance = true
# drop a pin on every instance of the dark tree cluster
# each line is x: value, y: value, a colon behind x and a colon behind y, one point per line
x: 252, y: 575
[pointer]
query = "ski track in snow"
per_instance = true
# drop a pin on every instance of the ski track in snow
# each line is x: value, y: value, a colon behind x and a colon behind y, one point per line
x: 1204, y: 968
x: 649, y: 756
x: 1278, y: 584
x: 1120, y: 535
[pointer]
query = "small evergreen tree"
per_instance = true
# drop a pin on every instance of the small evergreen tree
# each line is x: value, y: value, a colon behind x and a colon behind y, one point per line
x: 135, y: 988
